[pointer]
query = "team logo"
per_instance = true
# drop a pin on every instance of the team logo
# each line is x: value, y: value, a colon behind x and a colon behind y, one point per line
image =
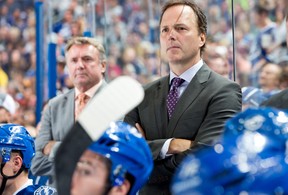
x: 45, y: 190
x: 254, y: 123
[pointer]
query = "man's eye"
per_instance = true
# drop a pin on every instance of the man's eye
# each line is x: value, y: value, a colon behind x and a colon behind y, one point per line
x: 87, y: 59
x: 180, y: 28
x: 84, y: 172
x: 164, y: 30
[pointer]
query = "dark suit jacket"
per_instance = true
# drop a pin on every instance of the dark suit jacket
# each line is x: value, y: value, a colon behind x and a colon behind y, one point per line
x: 279, y: 100
x: 208, y: 101
x: 57, y: 120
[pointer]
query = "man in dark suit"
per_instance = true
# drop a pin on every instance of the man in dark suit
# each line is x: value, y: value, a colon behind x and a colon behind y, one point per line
x: 206, y: 100
x: 279, y: 100
x: 86, y: 61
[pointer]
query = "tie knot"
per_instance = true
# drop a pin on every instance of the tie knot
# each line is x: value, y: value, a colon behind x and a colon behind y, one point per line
x: 176, y: 82
x: 82, y: 97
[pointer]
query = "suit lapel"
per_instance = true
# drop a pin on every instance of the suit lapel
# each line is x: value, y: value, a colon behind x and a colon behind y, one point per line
x: 192, y: 91
x: 68, y: 110
x: 160, y: 108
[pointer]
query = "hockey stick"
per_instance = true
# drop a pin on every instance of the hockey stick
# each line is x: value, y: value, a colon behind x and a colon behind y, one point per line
x: 110, y: 104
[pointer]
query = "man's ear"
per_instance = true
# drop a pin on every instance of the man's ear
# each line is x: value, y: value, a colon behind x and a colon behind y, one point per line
x: 103, y: 66
x: 17, y: 163
x: 121, y: 190
x: 202, y: 39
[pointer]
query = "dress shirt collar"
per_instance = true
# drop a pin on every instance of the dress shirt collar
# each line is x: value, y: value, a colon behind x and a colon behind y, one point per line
x: 188, y: 74
x: 90, y: 92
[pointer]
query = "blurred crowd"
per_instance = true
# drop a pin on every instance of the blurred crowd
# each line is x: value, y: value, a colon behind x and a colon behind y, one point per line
x: 129, y: 31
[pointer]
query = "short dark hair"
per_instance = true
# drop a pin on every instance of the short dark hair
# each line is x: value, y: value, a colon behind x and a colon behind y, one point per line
x: 259, y: 9
x: 201, y: 17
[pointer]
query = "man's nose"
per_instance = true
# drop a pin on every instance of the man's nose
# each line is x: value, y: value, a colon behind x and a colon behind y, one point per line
x: 80, y: 64
x: 171, y: 35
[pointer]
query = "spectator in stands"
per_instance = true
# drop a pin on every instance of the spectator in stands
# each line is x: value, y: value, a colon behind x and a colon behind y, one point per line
x: 8, y: 108
x: 269, y: 79
x: 263, y: 40
x: 280, y: 100
x: 252, y: 97
x: 216, y: 58
x: 3, y: 80
x: 284, y: 74
x: 62, y: 75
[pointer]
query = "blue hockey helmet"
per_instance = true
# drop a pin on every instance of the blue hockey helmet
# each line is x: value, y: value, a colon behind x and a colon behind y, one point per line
x: 268, y: 123
x: 251, y: 158
x: 16, y: 137
x: 217, y: 171
x: 128, y: 152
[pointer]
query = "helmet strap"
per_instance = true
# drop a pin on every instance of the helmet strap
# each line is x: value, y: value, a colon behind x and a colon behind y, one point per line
x: 118, y: 175
x: 5, y: 177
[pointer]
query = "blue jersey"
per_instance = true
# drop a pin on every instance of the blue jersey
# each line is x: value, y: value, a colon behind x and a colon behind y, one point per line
x: 262, y: 41
x: 39, y: 180
x: 37, y: 190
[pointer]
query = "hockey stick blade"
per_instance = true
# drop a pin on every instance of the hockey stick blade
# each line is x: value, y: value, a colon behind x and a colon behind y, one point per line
x: 110, y: 104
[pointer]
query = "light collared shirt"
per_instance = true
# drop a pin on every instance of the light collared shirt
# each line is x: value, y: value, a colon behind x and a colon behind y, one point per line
x: 188, y: 75
x: 90, y: 92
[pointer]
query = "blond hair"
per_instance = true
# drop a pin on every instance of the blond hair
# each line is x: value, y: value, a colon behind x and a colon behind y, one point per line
x: 87, y: 41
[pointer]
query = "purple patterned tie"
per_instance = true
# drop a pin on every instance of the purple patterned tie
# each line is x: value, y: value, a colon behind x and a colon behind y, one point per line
x: 173, y: 95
